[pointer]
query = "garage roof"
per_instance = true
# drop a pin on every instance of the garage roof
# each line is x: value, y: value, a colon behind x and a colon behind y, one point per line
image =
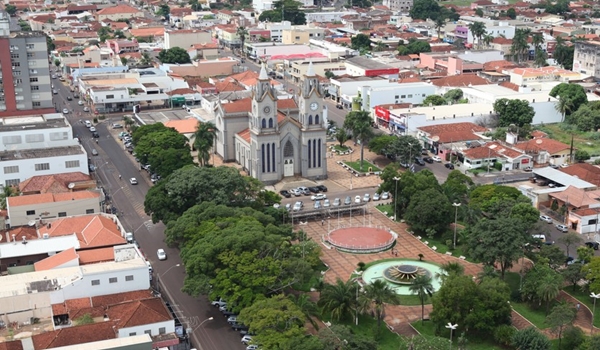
x: 562, y: 178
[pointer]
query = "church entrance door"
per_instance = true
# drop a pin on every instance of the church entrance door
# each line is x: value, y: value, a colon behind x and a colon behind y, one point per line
x: 288, y: 159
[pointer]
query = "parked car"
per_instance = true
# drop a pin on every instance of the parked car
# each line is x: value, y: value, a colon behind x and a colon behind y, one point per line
x: 385, y: 196
x: 232, y: 319
x: 65, y: 111
x: 285, y: 193
x: 348, y: 200
x: 318, y: 205
x: 218, y: 303
x: 246, y: 339
x: 436, y: 159
x: 376, y: 197
x: 419, y: 161
x: 428, y: 160
x: 133, y: 181
x: 593, y: 245
x: 296, y: 192
x: 319, y: 196
x: 298, y: 206
x: 80, y: 102
x: 449, y: 166
x: 313, y: 189
x: 562, y: 228
x: 252, y: 347
x: 92, y: 129
x: 86, y: 109
x: 161, y: 254
x: 117, y: 126
x: 69, y: 98
x: 326, y: 204
x: 337, y: 202
x: 94, y: 152
x: 357, y: 200
x: 95, y: 135
x: 339, y: 107
x: 322, y: 188
x: 366, y: 197
x: 546, y: 218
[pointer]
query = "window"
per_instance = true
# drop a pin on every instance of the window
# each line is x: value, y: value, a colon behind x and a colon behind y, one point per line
x: 35, y: 88
x: 30, y: 46
x: 110, y: 96
x: 402, y: 96
x: 30, y: 212
x: 132, y: 334
x: 112, y: 280
x: 129, y: 278
x: 33, y: 80
x: 592, y: 222
x: 18, y: 81
x: 95, y: 282
x: 12, y: 182
x: 11, y: 169
x: 409, y: 96
x: 72, y: 164
x: 16, y: 73
x: 30, y: 55
x: 57, y: 136
x: 14, y: 55
x: 16, y: 64
x: 36, y: 104
x: 62, y: 214
x: 263, y: 123
x: 162, y: 330
x: 270, y: 122
x: 42, y: 166
x: 89, y: 211
x: 34, y: 138
x: 147, y: 331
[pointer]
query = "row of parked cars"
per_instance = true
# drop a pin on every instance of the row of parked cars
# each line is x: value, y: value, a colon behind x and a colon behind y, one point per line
x: 321, y: 201
x: 232, y: 319
x: 302, y: 190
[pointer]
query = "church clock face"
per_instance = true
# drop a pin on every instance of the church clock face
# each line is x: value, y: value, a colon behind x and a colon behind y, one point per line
x: 314, y: 106
x: 267, y: 110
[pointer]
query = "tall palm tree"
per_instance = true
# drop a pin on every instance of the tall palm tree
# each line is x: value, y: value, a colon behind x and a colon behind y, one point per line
x: 548, y: 290
x: 204, y: 138
x: 439, y: 23
x: 478, y: 31
x: 376, y: 295
x: 242, y: 33
x: 450, y: 269
x: 359, y: 123
x: 146, y: 60
x: 307, y: 307
x: 423, y: 288
x: 540, y: 55
x: 487, y: 39
x: 339, y: 299
x: 564, y: 106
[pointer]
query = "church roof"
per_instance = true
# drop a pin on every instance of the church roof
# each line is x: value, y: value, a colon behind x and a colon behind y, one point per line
x: 263, y: 73
x: 245, y: 135
x: 310, y: 72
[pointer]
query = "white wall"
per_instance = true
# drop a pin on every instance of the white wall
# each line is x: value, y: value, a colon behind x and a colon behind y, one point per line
x: 18, y: 214
x: 351, y: 88
x: 152, y: 327
x: 407, y: 93
x: 57, y: 164
x: 25, y: 137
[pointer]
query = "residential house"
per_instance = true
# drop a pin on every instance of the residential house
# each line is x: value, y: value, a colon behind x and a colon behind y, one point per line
x: 118, y: 12
x: 443, y: 139
x: 584, y: 171
x: 302, y: 34
x: 546, y: 151
x: 186, y: 38
x: 300, y: 67
x: 582, y: 207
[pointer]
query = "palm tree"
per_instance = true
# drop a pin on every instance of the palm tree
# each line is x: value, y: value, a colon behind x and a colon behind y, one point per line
x: 478, y: 31
x: 339, y: 299
x: 359, y: 123
x: 8, y: 191
x: 128, y: 123
x: 439, y: 23
x: 374, y: 298
x: 380, y: 46
x: 146, y: 60
x: 548, y: 290
x: 204, y: 138
x: 423, y: 288
x: 540, y: 55
x: 487, y: 272
x: 242, y: 32
x: 450, y: 269
x: 519, y: 45
x: 487, y: 39
x: 564, y: 106
x: 308, y: 307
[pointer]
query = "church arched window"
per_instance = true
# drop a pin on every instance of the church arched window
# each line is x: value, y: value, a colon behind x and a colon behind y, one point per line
x: 310, y: 119
x: 270, y: 122
x: 317, y: 119
x: 264, y: 123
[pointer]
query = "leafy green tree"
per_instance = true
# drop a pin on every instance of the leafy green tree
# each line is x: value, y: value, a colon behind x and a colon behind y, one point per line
x: 511, y: 13
x: 339, y: 299
x: 503, y: 334
x: 380, y: 144
x: 565, y: 106
x: 490, y: 307
x: 454, y: 302
x: 457, y: 186
x: 274, y: 320
x: 359, y: 123
x: 376, y: 294
x: 204, y: 138
x: 450, y: 269
x: 307, y: 306
x: 573, y: 274
x: 484, y: 196
x: 165, y: 150
x: 424, y: 9
x: 479, y: 12
x: 573, y: 92
x: 454, y: 95
x: 586, y: 118
x: 591, y: 343
x: 561, y: 316
x: 304, y: 342
x: 339, y: 337
x: 414, y: 46
x: 175, y: 55
x: 478, y: 30
x: 438, y: 209
x: 404, y: 148
x: 581, y: 156
x: 531, y: 339
x: 517, y: 112
x: 164, y: 10
x: 569, y: 239
x: 563, y: 54
x: 8, y: 191
x: 573, y: 337
x: 554, y: 255
x: 498, y: 241
x: 592, y: 274
x: 341, y: 136
x: 388, y: 174
x: 362, y: 3
x: 361, y: 42
x: 434, y: 100
x: 10, y: 9
x: 423, y: 288
x: 410, y: 184
x: 329, y: 74
x: 289, y: 8
x: 585, y: 254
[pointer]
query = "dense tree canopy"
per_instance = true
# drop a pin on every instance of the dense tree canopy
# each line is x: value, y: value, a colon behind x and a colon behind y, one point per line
x: 414, y: 46
x: 517, y: 112
x: 434, y: 100
x: 531, y: 339
x: 360, y: 42
x: 587, y: 117
x: 175, y: 55
x: 438, y: 209
x: 188, y: 186
x: 572, y: 92
x: 290, y: 10
x: 165, y: 149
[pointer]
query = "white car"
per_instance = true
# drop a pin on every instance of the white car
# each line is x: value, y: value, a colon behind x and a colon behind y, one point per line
x: 161, y: 254
x: 562, y: 228
x: 385, y: 196
x: 65, y: 111
x: 295, y: 192
x: 219, y: 302
x: 80, y: 102
x: 246, y: 339
x: 252, y: 347
x: 367, y: 197
x: 376, y: 196
x: 232, y: 319
x: 133, y: 181
x: 326, y: 203
x: 318, y: 197
x: 92, y: 129
x: 546, y: 218
x: 337, y: 202
x: 357, y: 200
x: 298, y: 206
x: 86, y: 109
x: 436, y: 159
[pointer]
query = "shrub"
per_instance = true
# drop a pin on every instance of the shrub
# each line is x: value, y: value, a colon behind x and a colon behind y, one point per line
x: 95, y: 120
x: 503, y: 334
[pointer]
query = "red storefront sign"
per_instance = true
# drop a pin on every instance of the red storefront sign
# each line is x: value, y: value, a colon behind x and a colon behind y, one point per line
x: 524, y: 160
x: 382, y: 113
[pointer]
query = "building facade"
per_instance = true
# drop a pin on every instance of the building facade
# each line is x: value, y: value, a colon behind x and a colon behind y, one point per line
x: 25, y: 86
x: 274, y: 144
x: 398, y: 5
x: 586, y: 58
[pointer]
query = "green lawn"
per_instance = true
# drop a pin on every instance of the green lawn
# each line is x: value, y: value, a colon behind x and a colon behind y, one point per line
x: 367, y: 327
x: 386, y: 208
x: 537, y: 316
x: 365, y: 166
x: 584, y: 298
x: 341, y: 149
x: 428, y: 331
x: 581, y: 140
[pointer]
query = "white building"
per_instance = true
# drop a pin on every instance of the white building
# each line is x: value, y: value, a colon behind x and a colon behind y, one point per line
x: 394, y: 93
x: 326, y: 17
x: 36, y: 131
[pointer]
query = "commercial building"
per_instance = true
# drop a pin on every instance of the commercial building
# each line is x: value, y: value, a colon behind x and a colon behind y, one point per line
x: 398, y: 5
x: 302, y: 34
x: 186, y: 38
x: 361, y: 66
x: 586, y: 58
x: 25, y: 85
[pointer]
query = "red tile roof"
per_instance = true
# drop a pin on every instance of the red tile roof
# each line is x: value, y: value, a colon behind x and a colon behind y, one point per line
x: 51, y: 198
x: 509, y: 85
x: 497, y: 65
x: 91, y: 230
x: 93, y: 256
x: 75, y: 335
x: 543, y: 144
x: 183, y: 126
x: 239, y: 106
x: 460, y: 80
x: 12, y: 345
x: 118, y: 9
x: 52, y: 183
x: 288, y: 103
x: 56, y: 260
x: 139, y: 312
x: 245, y: 135
x: 584, y: 171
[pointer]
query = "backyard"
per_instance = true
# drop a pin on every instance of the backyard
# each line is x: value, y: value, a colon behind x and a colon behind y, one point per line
x: 581, y: 140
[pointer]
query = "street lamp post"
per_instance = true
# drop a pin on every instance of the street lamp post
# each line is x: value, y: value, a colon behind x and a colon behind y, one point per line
x: 158, y: 276
x: 595, y: 296
x: 396, y: 198
x: 203, y: 322
x: 451, y: 327
x: 455, y: 205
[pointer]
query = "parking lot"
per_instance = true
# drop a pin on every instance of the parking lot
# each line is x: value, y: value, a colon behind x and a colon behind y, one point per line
x: 147, y: 118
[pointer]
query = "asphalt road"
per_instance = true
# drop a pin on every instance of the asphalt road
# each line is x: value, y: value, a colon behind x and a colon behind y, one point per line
x: 113, y: 161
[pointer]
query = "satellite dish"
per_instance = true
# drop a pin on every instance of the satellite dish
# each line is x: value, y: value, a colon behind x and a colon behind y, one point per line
x: 31, y: 223
x: 435, y: 138
x: 539, y: 141
x: 71, y: 185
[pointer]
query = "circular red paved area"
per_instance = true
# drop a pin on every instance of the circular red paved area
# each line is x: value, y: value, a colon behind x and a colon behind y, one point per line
x: 360, y: 237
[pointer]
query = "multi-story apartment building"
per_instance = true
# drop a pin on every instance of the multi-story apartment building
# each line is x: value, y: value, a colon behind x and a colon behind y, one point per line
x: 586, y: 58
x: 25, y: 86
x: 302, y: 34
x: 398, y: 5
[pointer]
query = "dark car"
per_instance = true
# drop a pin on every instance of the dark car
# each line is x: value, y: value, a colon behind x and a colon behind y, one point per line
x: 419, y: 161
x: 313, y: 189
x: 95, y: 135
x: 449, y: 166
x: 593, y: 245
x: 239, y: 327
x: 322, y: 188
x: 285, y: 193
x: 339, y: 107
x: 428, y: 160
x: 69, y: 98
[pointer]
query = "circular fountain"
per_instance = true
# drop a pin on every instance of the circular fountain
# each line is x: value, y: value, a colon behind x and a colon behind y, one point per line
x: 404, y: 273
x: 400, y: 273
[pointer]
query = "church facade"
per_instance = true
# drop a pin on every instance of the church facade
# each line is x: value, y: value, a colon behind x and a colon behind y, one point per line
x: 272, y: 138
